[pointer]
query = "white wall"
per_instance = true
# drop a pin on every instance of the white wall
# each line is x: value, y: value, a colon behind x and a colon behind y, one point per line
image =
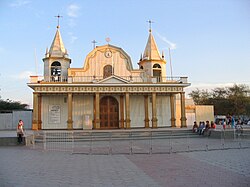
x: 163, y: 111
x: 82, y: 106
x: 60, y: 100
x: 137, y: 114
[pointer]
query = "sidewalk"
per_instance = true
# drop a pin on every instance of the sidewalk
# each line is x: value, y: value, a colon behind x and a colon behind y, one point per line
x: 21, y: 166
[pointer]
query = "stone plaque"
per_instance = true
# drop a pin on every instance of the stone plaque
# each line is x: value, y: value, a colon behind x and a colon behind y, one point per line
x: 54, y: 114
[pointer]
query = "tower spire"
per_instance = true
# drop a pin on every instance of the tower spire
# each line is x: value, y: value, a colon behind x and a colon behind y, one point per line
x: 58, y: 21
x: 150, y: 25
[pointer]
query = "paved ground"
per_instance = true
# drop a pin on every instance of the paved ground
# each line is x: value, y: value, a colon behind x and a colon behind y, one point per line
x: 22, y: 166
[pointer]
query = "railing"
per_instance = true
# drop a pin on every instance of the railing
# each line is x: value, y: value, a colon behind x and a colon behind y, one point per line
x: 134, y: 142
x: 94, y: 79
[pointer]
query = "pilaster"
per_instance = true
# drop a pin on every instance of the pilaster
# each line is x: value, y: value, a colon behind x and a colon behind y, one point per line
x: 122, y: 111
x: 35, y: 112
x: 127, y: 105
x: 172, y: 104
x: 70, y: 121
x: 183, y: 111
x: 146, y: 120
x: 154, y: 118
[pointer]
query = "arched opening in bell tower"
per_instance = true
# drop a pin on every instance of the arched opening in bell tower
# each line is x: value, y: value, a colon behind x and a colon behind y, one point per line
x: 55, y: 71
x: 157, y: 72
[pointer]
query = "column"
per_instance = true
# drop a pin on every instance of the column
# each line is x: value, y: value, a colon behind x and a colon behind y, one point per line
x: 35, y: 112
x: 70, y: 121
x: 97, y: 110
x: 122, y: 111
x: 146, y: 120
x: 127, y: 106
x: 154, y: 118
x: 172, y: 104
x: 39, y: 112
x: 183, y: 111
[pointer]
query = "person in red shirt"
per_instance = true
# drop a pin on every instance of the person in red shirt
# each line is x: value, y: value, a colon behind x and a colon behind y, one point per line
x: 20, y: 132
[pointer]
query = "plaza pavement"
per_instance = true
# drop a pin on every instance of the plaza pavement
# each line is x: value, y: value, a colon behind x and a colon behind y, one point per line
x: 22, y: 166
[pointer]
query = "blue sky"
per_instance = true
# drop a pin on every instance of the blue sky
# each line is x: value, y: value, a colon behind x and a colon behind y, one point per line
x: 210, y: 39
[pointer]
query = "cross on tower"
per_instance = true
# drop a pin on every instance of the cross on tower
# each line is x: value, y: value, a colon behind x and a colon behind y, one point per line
x: 150, y: 24
x: 58, y: 17
x: 94, y: 42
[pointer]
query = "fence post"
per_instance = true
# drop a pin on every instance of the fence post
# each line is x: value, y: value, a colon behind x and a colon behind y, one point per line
x: 72, y: 142
x: 44, y: 141
x: 222, y: 139
x: 151, y: 143
x: 131, y: 144
x: 170, y: 143
x: 90, y: 145
x: 33, y: 140
x: 110, y: 141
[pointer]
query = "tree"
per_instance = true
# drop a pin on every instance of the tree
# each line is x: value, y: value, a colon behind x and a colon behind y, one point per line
x: 12, y: 105
x: 232, y: 100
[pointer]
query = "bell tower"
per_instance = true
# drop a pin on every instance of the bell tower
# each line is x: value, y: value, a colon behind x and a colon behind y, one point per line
x: 151, y: 61
x: 56, y: 60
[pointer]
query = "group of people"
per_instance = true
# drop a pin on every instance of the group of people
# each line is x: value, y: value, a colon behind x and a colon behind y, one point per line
x: 204, y: 128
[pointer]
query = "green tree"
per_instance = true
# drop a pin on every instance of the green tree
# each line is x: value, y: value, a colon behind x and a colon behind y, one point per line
x: 232, y: 100
x: 12, y: 105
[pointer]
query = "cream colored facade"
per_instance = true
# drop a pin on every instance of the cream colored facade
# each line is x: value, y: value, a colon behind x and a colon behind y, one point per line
x: 107, y: 92
x: 194, y: 112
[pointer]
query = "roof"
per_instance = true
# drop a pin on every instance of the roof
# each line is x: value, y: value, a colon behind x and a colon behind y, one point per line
x: 57, y: 48
x: 151, y: 51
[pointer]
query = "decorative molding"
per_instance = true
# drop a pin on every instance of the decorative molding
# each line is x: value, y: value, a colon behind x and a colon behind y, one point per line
x: 107, y: 89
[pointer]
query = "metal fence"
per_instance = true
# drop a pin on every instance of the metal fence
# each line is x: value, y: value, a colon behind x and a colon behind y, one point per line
x: 134, y: 142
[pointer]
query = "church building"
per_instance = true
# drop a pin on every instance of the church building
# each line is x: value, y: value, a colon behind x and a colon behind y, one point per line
x: 107, y: 92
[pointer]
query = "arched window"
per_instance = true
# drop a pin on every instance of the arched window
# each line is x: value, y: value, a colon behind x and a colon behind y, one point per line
x: 55, y: 71
x: 158, y: 66
x: 107, y: 71
x: 157, y: 72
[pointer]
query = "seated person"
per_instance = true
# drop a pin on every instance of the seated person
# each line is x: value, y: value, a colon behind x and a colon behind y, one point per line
x: 213, y: 127
x: 201, y: 128
x: 195, y: 127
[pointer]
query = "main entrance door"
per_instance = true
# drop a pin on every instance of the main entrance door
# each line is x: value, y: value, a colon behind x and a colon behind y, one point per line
x: 109, y: 113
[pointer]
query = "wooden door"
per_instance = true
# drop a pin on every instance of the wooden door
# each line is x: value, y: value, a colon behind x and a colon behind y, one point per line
x: 109, y: 113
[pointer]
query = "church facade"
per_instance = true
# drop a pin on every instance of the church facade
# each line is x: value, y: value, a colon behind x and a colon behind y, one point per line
x: 107, y: 92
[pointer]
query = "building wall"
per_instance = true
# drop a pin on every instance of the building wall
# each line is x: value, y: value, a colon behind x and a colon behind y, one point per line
x: 82, y: 111
x: 204, y: 113
x: 137, y: 111
x: 9, y: 121
x: 163, y: 111
x: 54, y: 119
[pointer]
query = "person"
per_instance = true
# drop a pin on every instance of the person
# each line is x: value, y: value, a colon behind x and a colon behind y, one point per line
x: 201, y: 128
x: 224, y: 124
x: 213, y: 127
x: 239, y: 128
x: 233, y: 123
x: 207, y: 127
x: 20, y: 131
x: 195, y: 127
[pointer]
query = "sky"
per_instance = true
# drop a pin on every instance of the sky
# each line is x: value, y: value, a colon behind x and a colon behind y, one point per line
x: 209, y: 39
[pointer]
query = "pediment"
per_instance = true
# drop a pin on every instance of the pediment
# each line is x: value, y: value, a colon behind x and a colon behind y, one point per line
x: 113, y: 80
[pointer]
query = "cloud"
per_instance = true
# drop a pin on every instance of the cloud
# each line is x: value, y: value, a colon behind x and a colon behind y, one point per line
x: 71, y: 22
x: 19, y: 3
x: 73, y: 38
x: 73, y: 10
x: 164, y: 39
